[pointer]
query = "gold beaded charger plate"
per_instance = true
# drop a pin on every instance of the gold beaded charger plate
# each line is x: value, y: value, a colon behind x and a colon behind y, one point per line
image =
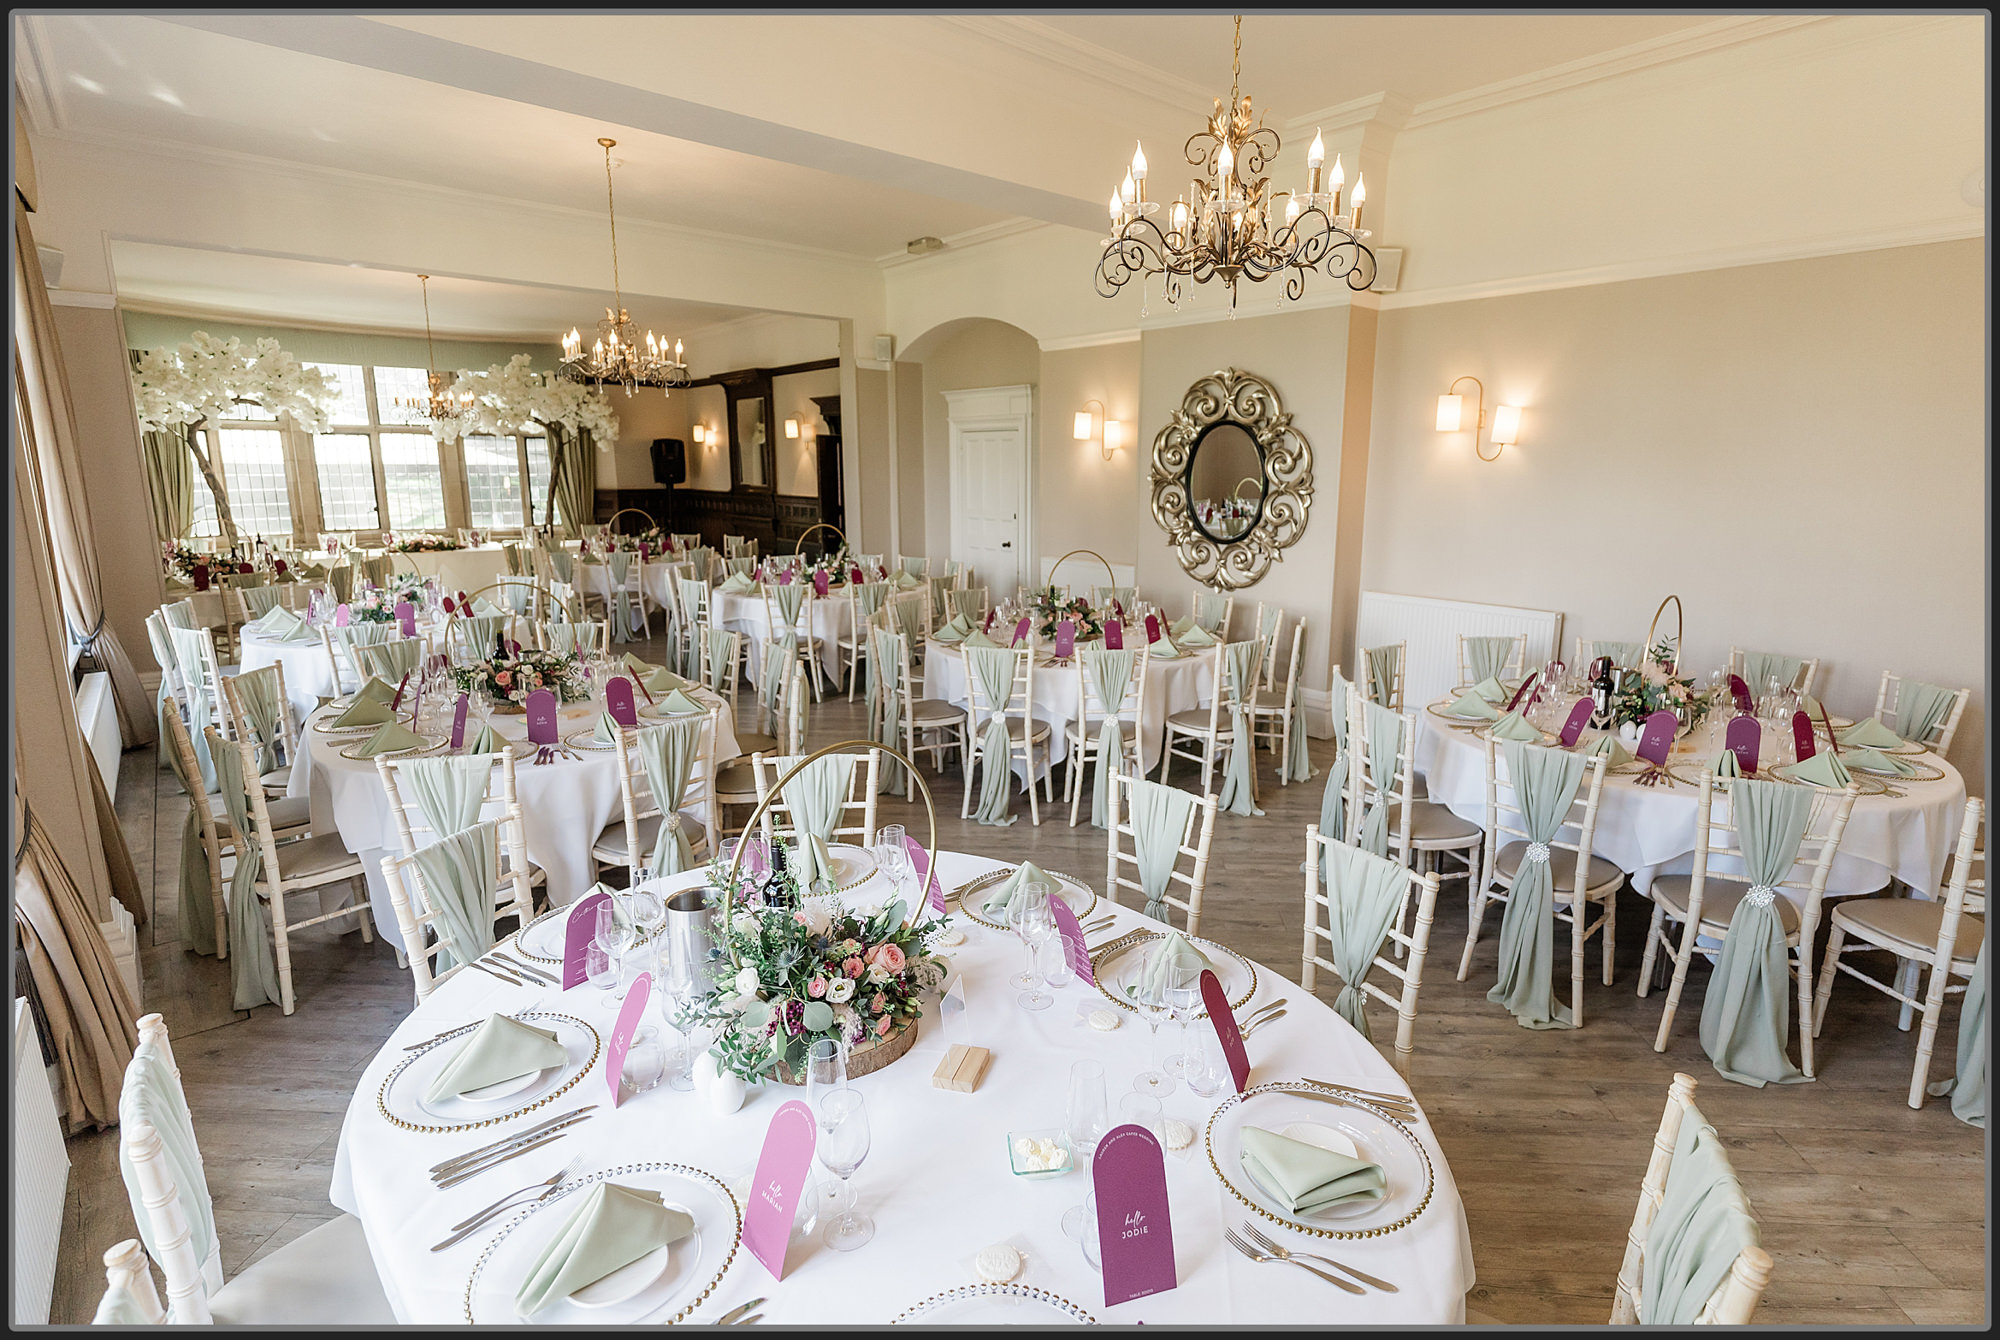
x: 1436, y: 709
x: 404, y: 1103
x: 994, y: 1305
x: 661, y: 1288
x: 323, y: 723
x: 1377, y: 1138
x: 1117, y: 966
x: 852, y: 865
x: 587, y: 739
x: 1869, y: 783
x: 1079, y: 895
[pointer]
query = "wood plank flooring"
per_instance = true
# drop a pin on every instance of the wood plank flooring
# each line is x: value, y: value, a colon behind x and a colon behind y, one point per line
x: 1874, y: 1213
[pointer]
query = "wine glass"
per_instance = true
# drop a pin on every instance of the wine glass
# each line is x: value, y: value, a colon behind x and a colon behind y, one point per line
x: 842, y: 1148
x: 1030, y: 904
x: 617, y: 935
x: 1037, y: 930
x: 892, y: 856
x: 600, y: 967
x: 675, y: 982
x: 1184, y: 999
x: 1153, y: 995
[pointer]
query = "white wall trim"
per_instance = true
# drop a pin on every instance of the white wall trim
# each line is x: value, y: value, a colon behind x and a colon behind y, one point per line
x: 1089, y: 341
x: 995, y: 407
x: 1087, y: 60
x: 65, y: 297
x: 971, y: 237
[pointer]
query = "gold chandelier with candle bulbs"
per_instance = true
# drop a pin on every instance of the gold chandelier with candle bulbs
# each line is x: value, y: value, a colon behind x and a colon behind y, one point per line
x: 618, y: 358
x: 1230, y: 225
x: 439, y: 405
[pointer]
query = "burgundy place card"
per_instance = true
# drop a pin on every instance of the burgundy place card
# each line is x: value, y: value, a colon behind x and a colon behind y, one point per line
x: 201, y: 576
x: 1739, y: 693
x: 1743, y: 739
x: 1114, y: 635
x: 1074, y: 948
x: 1802, y: 736
x: 782, y: 1173
x: 1656, y: 737
x: 579, y: 929
x: 1226, y: 1030
x: 1066, y: 639
x: 618, y: 701
x: 458, y: 721
x: 629, y: 1015
x: 991, y: 615
x: 1579, y: 717
x: 278, y: 566
x: 542, y: 728
x: 1020, y: 631
x: 397, y: 701
x: 1152, y: 628
x: 406, y: 618
x: 920, y: 864
x: 342, y: 616
x: 857, y: 577
x: 1135, y: 1232
x: 1527, y: 685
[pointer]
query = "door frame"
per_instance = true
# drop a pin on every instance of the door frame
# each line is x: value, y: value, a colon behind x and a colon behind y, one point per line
x: 983, y: 410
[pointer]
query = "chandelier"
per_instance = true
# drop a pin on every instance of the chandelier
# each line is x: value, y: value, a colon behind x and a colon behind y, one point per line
x: 439, y: 405
x: 617, y: 357
x: 1230, y: 224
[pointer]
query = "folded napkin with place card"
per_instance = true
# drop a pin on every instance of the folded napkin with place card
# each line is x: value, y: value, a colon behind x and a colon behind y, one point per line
x: 1001, y: 900
x: 975, y: 638
x: 1304, y: 1177
x: 500, y: 1049
x: 486, y: 608
x: 1616, y: 755
x: 1514, y: 726
x: 1473, y: 706
x: 1870, y: 733
x: 1491, y: 689
x: 1874, y: 760
x: 607, y: 729
x: 366, y: 710
x: 736, y: 584
x: 1154, y: 977
x: 955, y: 629
x: 676, y: 704
x: 391, y: 737
x: 1726, y: 764
x: 611, y: 1227
x: 486, y: 742
x: 1822, y: 769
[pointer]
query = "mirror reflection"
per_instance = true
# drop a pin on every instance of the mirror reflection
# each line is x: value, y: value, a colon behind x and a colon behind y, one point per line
x: 1225, y: 482
x: 750, y: 441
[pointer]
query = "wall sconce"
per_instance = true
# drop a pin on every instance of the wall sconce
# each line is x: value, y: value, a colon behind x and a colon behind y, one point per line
x: 700, y: 434
x: 1451, y: 418
x: 792, y: 428
x: 1092, y: 426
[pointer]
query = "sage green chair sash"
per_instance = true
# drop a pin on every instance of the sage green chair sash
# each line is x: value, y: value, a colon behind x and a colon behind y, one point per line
x: 1381, y: 673
x: 993, y: 669
x: 165, y: 700
x: 872, y: 594
x: 1385, y: 745
x: 1301, y: 769
x: 253, y: 963
x: 516, y: 557
x: 575, y: 639
x: 814, y: 797
x: 372, y: 634
x: 1159, y: 822
x: 1270, y: 618
x: 1762, y: 666
x: 1702, y: 1226
x: 178, y: 613
x: 940, y: 590
x: 475, y: 634
x: 1746, y: 1015
x: 460, y: 872
x: 1921, y: 709
x: 1486, y: 657
x: 449, y: 791
x: 1333, y: 800
x: 721, y: 659
x: 666, y: 755
x: 516, y: 597
x: 263, y: 711
x: 152, y: 1093
x: 120, y: 1307
x: 563, y: 564
x: 196, y: 913
x: 779, y: 658
x: 1239, y: 662
x: 341, y: 579
x: 1210, y: 611
x: 201, y: 712
x: 390, y: 661
x: 1364, y: 893
x: 259, y: 600
x: 619, y: 567
x: 1110, y: 676
x: 378, y: 569
x: 916, y: 567
x: 909, y: 618
x: 1968, y: 1087
x: 1125, y: 596
x: 1625, y: 655
x: 1545, y: 784
x: 886, y: 649
x: 967, y: 604
x: 790, y: 597
x: 739, y: 567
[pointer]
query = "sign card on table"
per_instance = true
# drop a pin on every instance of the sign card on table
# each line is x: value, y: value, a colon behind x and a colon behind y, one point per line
x: 1226, y: 1030
x: 342, y: 616
x: 1802, y: 736
x: 1579, y: 717
x: 1135, y: 1234
x: 1066, y: 639
x: 1020, y: 631
x: 821, y: 583
x: 618, y: 701
x: 458, y: 721
x: 782, y: 1172
x: 406, y: 618
x: 920, y: 865
x: 1114, y: 635
x: 1739, y: 693
x: 1074, y: 948
x: 1152, y: 628
x: 542, y: 728
x: 579, y: 929
x: 1743, y: 739
x: 629, y: 1015
x: 1656, y: 737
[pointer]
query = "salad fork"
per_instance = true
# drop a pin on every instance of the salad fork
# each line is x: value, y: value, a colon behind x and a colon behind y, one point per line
x: 1261, y: 1256
x: 1275, y: 1014
x: 1277, y: 1249
x: 466, y: 1227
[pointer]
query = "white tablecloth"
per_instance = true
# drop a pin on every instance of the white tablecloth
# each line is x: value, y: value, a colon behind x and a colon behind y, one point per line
x: 1649, y: 831
x: 936, y: 1181
x: 565, y: 804
x: 464, y: 570
x: 832, y: 620
x: 1171, y: 686
x: 308, y: 676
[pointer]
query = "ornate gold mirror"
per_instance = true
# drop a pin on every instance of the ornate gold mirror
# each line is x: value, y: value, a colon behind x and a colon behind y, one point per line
x: 1232, y: 480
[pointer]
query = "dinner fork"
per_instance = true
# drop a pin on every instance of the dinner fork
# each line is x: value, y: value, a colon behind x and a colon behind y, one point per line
x: 1275, y: 1014
x: 542, y: 1191
x: 1255, y: 1255
x: 1278, y: 1249
x: 522, y: 969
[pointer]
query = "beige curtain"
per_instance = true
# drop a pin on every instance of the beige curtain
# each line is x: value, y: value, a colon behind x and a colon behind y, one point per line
x: 125, y: 885
x: 49, y: 444
x: 170, y: 483
x: 573, y: 478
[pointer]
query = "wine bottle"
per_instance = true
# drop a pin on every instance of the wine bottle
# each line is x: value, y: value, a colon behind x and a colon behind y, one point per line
x: 1603, y: 691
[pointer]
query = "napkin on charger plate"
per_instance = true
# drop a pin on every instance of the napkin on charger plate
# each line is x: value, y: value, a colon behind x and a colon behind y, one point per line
x: 275, y: 622
x: 1870, y: 733
x: 1491, y: 689
x: 1822, y: 769
x: 1305, y: 1177
x: 1158, y: 962
x: 656, y: 678
x: 975, y: 638
x: 607, y: 729
x: 736, y: 584
x: 1616, y: 755
x: 677, y: 704
x: 389, y: 738
x: 366, y: 710
x: 500, y: 1049
x: 1514, y: 726
x: 955, y: 629
x: 1726, y: 764
x: 906, y: 581
x: 486, y: 742
x: 612, y: 1227
x: 376, y: 689
x: 1473, y: 706
x: 999, y: 902
x: 1196, y: 636
x: 1165, y: 649
x: 1874, y: 760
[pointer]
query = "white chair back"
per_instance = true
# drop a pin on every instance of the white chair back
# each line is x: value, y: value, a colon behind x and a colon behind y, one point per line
x: 417, y: 916
x: 1190, y: 870
x: 1415, y: 944
x: 698, y: 801
x: 856, y: 823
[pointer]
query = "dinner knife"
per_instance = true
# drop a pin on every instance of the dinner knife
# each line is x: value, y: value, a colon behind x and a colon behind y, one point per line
x: 472, y: 1154
x: 528, y: 1145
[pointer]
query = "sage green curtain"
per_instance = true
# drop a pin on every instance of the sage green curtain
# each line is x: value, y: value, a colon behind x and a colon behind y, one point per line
x: 1920, y: 709
x: 152, y: 1093
x: 666, y: 754
x: 1486, y: 657
x: 1545, y: 784
x: 572, y: 478
x: 1385, y: 745
x: 460, y: 874
x: 449, y: 791
x: 253, y: 961
x: 257, y: 694
x: 391, y: 661
x: 1382, y: 673
x: 1746, y: 1015
x: 814, y: 796
x: 1761, y: 666
x: 1159, y: 822
x: 170, y: 482
x: 1625, y: 655
x: 885, y: 679
x: 1210, y: 611
x: 1363, y: 895
x: 1702, y: 1226
x: 1968, y: 1087
x: 1333, y: 800
x: 1109, y: 675
x: 993, y: 669
x: 1239, y: 774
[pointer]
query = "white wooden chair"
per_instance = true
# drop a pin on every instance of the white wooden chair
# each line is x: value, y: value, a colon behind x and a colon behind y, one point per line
x: 736, y: 779
x: 1703, y: 902
x: 1028, y: 736
x: 853, y: 644
x: 1581, y: 877
x: 417, y: 915
x: 697, y: 813
x: 129, y: 1296
x: 323, y: 1275
x: 1204, y: 735
x: 914, y: 564
x: 1808, y: 672
x: 1943, y: 934
x: 1511, y: 671
x: 1938, y: 739
x: 1084, y: 748
x: 1213, y: 611
x: 1411, y: 946
x: 970, y: 601
x: 1191, y: 851
x: 1389, y: 695
x: 1270, y: 623
x: 341, y: 667
x: 807, y: 643
x: 930, y: 725
x: 202, y: 674
x: 721, y: 663
x: 856, y: 822
x: 1271, y: 718
x: 241, y: 724
x: 1418, y: 830
x: 500, y: 800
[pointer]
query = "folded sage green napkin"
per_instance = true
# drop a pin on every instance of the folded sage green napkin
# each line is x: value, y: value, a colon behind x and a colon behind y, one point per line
x: 376, y: 690
x: 955, y: 629
x: 1822, y: 769
x: 1165, y: 649
x: 906, y: 581
x: 300, y: 631
x: 1001, y: 899
x: 1874, y: 760
x: 275, y: 622
x: 677, y: 704
x: 1491, y: 689
x: 612, y: 1227
x: 607, y: 729
x: 388, y: 738
x: 1305, y: 1177
x: 975, y: 638
x: 1181, y: 625
x: 1616, y: 755
x: 1473, y: 706
x: 500, y: 1049
x: 1514, y: 726
x: 486, y: 608
x: 1196, y: 636
x: 1871, y: 734
x: 656, y: 678
x: 736, y: 584
x: 1159, y: 964
x: 365, y: 711
x: 1726, y: 764
x: 486, y: 742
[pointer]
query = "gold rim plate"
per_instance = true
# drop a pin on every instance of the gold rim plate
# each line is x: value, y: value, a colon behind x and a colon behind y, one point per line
x: 1377, y: 1136
x: 994, y: 878
x: 401, y: 1104
x: 1126, y: 944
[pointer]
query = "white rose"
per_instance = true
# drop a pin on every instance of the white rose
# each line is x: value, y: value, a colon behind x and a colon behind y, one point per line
x: 814, y: 917
x: 840, y: 990
x: 746, y: 982
x: 745, y: 923
x: 877, y: 974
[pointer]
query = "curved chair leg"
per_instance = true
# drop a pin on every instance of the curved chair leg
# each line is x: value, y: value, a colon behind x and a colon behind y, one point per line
x: 1652, y: 950
x: 1472, y: 931
x: 1927, y: 1034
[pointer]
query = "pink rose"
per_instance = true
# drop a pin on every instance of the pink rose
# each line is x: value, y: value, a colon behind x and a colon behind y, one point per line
x: 817, y: 988
x: 879, y: 1003
x: 503, y: 678
x: 890, y: 957
x: 852, y: 967
x: 883, y: 1025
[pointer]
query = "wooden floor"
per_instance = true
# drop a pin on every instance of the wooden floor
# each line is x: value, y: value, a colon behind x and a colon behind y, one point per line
x: 1873, y: 1213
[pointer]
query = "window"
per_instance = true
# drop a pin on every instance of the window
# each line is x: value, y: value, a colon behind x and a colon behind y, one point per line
x: 204, y: 523
x: 253, y: 470
x: 493, y: 481
x: 346, y: 464
x: 401, y: 394
x: 411, y: 479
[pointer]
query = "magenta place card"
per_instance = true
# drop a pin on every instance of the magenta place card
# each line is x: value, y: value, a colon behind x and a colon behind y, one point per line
x: 782, y: 1172
x: 1135, y: 1233
x: 579, y: 929
x: 1743, y: 739
x: 397, y: 701
x: 1656, y: 737
x: 200, y: 575
x: 920, y: 863
x: 856, y: 576
x: 618, y: 701
x: 1114, y: 635
x: 342, y: 616
x: 1579, y: 717
x: 406, y: 618
x: 1527, y: 686
x: 542, y: 728
x: 629, y: 1016
x: 821, y: 583
x: 1066, y: 639
x: 1802, y: 737
x: 1152, y: 628
x: 458, y: 721
x: 1020, y: 631
x: 1739, y: 693
x: 1226, y: 1030
x: 1074, y: 948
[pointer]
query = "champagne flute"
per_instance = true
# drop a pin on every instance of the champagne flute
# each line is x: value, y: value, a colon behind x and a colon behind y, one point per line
x: 1037, y: 929
x: 1152, y: 995
x: 892, y: 856
x: 842, y: 1148
x: 1030, y: 903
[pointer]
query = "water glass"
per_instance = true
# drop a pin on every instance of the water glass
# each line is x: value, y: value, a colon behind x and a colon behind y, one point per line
x: 1084, y: 1121
x: 1080, y: 1222
x: 1140, y: 1109
x: 842, y: 1148
x: 826, y: 1072
x: 645, y: 1060
x: 600, y: 967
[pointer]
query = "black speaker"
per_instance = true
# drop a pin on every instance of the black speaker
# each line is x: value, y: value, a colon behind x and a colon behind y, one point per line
x: 669, y: 461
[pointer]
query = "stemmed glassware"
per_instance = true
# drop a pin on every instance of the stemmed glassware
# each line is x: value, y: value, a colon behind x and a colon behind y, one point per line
x: 892, y: 856
x: 1030, y: 904
x: 618, y: 935
x: 842, y: 1148
x: 1038, y: 930
x: 1154, y: 995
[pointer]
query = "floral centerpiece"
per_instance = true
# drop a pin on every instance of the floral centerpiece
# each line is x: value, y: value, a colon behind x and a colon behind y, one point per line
x: 1049, y: 607
x: 425, y: 544
x: 181, y: 562
x: 810, y: 968
x: 1653, y: 687
x: 510, y: 679
x: 376, y: 604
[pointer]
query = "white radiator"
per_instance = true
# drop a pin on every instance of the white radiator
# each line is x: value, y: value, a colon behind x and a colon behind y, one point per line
x: 1432, y: 627
x: 41, y: 1176
x: 97, y: 717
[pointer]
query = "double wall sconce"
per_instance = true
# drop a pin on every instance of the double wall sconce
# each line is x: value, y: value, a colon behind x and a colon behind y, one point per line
x: 1506, y: 418
x: 1092, y: 426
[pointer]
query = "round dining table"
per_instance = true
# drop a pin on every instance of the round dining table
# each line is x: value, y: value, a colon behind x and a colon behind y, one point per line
x: 466, y: 569
x: 832, y: 619
x: 308, y: 672
x: 937, y: 1179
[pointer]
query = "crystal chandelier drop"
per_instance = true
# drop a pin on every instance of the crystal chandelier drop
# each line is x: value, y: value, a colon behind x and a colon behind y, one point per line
x: 1230, y: 224
x: 440, y: 405
x: 618, y: 358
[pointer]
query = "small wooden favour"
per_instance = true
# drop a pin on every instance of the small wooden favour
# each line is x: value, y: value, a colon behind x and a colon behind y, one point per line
x: 962, y: 1068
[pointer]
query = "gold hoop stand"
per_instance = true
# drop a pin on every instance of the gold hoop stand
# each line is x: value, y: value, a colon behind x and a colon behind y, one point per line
x: 1110, y: 577
x: 1680, y: 630
x: 635, y: 511
x: 799, y: 549
x: 571, y: 607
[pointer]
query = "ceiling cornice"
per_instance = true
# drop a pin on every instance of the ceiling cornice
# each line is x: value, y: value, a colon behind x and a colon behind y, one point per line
x: 40, y: 97
x: 1098, y: 64
x: 971, y: 237
x: 539, y: 339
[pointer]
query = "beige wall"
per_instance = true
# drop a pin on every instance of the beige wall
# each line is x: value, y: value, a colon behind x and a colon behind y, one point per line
x: 1081, y: 498
x: 791, y: 398
x: 869, y: 428
x: 708, y: 464
x: 642, y: 416
x: 909, y: 450
x: 1797, y: 450
x: 977, y: 354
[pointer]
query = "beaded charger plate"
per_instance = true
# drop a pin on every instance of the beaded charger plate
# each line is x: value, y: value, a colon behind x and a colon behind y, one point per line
x: 426, y: 743
x: 679, y: 1283
x: 1456, y: 722
x: 1079, y: 895
x: 541, y: 940
x: 994, y: 1305
x: 1119, y: 964
x: 323, y: 725
x: 404, y: 1104
x: 1869, y: 783
x: 1377, y: 1138
x: 587, y: 739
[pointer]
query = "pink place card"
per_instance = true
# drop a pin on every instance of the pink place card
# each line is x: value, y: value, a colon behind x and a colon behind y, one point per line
x: 821, y: 583
x: 1066, y: 639
x: 1114, y: 635
x: 782, y: 1172
x: 1227, y: 1032
x: 1074, y: 948
x: 629, y: 1015
x: 579, y: 929
x: 1743, y: 739
x: 1135, y: 1232
x: 397, y: 701
x: 618, y: 701
x: 991, y: 615
x: 920, y: 863
x: 1739, y: 693
x: 785, y: 577
x: 1020, y: 631
x: 856, y: 576
x: 1803, y: 744
x: 1579, y: 717
x: 342, y: 616
x: 1656, y: 737
x: 542, y: 728
x: 1152, y: 628
x: 458, y: 721
x: 756, y: 858
x: 406, y: 618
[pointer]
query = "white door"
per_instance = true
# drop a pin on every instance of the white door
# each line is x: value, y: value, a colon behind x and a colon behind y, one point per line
x: 990, y: 518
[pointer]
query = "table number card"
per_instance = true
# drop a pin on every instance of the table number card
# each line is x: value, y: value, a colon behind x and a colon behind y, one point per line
x: 406, y: 618
x: 1579, y: 717
x: 1152, y: 628
x: 1020, y: 631
x: 1066, y: 639
x: 1656, y: 737
x: 629, y: 1015
x: 458, y: 721
x: 1743, y: 739
x: 782, y: 1172
x: 579, y: 929
x: 342, y: 615
x: 1135, y: 1233
x: 1074, y: 949
x: 1114, y: 635
x: 920, y: 863
x: 1739, y: 693
x: 785, y: 577
x: 618, y: 701
x: 1227, y: 1032
x: 1802, y: 736
x: 542, y: 728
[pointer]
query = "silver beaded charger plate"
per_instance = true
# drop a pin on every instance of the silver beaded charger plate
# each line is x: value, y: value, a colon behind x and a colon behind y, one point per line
x: 1118, y: 965
x: 426, y: 743
x: 542, y: 940
x: 403, y: 1102
x: 1377, y: 1137
x: 994, y: 1305
x: 1079, y: 895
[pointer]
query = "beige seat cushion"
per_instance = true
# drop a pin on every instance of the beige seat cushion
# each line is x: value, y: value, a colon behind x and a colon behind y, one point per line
x: 1910, y: 926
x: 324, y: 1278
x: 318, y: 859
x: 285, y: 811
x: 1435, y: 823
x: 935, y: 712
x: 750, y: 742
x: 1032, y: 729
x: 1719, y: 898
x: 1196, y: 719
x: 610, y: 845
x: 1562, y: 864
x: 736, y: 784
x: 277, y: 779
